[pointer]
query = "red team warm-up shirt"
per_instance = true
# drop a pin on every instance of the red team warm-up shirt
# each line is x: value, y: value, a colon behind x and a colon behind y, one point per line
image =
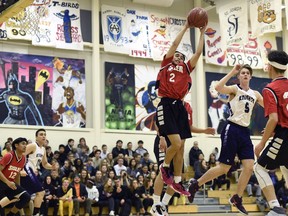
x: 275, y: 96
x: 12, y: 165
x: 174, y: 81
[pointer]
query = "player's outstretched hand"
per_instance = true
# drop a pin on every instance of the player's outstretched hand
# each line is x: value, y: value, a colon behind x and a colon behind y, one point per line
x: 210, y: 130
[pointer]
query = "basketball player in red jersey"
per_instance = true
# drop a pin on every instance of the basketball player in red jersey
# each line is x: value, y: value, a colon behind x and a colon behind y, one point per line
x: 275, y: 96
x: 10, y: 166
x: 173, y: 83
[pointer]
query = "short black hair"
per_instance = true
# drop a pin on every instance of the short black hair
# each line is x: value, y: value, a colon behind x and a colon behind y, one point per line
x: 70, y: 140
x: 61, y: 145
x: 118, y: 141
x: 140, y: 142
x: 280, y: 57
x: 39, y: 130
x: 17, y: 141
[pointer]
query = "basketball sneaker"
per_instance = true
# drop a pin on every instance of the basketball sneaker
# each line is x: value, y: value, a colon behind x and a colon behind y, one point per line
x: 277, y: 211
x: 159, y: 210
x: 193, y: 188
x: 179, y: 188
x: 236, y: 201
x: 165, y: 175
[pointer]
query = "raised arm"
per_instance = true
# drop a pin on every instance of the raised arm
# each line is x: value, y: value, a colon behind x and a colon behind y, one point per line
x: 221, y: 85
x: 199, y: 50
x: 177, y: 41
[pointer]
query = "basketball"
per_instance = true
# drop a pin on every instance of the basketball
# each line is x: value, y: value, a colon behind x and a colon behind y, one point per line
x: 197, y: 17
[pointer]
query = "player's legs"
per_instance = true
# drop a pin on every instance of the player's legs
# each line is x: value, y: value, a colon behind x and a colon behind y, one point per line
x: 247, y: 169
x: 172, y: 150
x: 38, y: 201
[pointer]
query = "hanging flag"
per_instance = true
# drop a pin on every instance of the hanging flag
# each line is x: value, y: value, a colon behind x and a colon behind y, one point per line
x: 265, y: 16
x: 214, y: 52
x: 234, y: 22
x: 66, y: 28
x: 252, y: 53
x: 235, y: 54
x: 138, y: 31
x: 115, y: 34
x: 267, y: 43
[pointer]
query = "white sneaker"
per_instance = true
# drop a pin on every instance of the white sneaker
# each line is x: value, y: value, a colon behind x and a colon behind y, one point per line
x: 159, y: 210
x: 111, y: 213
x: 277, y: 211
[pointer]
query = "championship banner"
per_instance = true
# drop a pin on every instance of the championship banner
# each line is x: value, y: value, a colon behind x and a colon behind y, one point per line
x: 42, y: 90
x: 218, y: 110
x: 214, y: 51
x: 114, y: 28
x: 119, y: 96
x: 235, y: 54
x: 265, y: 16
x: 234, y: 22
x: 138, y: 29
x: 3, y: 31
x: 146, y: 96
x: 44, y: 35
x: 252, y: 53
x: 267, y: 43
x: 66, y: 28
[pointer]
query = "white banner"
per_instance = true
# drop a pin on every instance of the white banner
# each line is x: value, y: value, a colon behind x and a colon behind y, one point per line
x: 66, y: 26
x: 235, y: 54
x: 3, y: 31
x: 267, y: 43
x: 115, y: 34
x: 265, y: 16
x: 215, y: 52
x: 234, y: 22
x: 252, y: 53
x: 138, y: 29
x: 44, y: 36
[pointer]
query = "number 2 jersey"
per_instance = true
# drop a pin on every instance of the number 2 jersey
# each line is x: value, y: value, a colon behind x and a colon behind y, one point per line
x: 12, y: 165
x: 174, y: 81
x: 241, y: 106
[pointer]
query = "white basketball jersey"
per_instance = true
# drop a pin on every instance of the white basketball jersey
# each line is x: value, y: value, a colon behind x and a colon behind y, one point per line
x: 35, y: 158
x: 241, y: 107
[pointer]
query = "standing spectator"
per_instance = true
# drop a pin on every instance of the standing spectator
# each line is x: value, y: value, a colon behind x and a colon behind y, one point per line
x: 140, y: 149
x: 118, y: 149
x: 104, y: 151
x: 80, y: 196
x: 119, y: 166
x: 65, y: 196
x: 121, y: 198
x: 69, y: 146
x: 50, y: 198
x: 194, y: 153
x: 106, y: 198
x: 129, y: 153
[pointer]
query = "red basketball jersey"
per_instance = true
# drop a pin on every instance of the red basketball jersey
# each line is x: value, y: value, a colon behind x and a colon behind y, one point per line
x: 12, y: 165
x: 174, y: 81
x: 275, y: 96
x: 190, y: 112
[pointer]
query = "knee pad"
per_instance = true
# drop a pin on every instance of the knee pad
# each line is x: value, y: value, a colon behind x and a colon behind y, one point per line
x: 24, y: 198
x: 262, y: 176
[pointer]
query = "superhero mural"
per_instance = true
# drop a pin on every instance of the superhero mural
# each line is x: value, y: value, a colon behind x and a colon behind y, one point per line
x: 120, y: 96
x: 42, y: 90
x: 218, y: 111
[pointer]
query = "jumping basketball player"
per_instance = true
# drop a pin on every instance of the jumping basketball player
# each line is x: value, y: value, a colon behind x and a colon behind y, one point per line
x: 36, y: 154
x: 275, y: 96
x: 235, y: 136
x: 173, y: 83
x: 10, y: 166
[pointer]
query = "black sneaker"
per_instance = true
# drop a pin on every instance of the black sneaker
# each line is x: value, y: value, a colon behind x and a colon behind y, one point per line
x: 236, y: 201
x: 193, y: 188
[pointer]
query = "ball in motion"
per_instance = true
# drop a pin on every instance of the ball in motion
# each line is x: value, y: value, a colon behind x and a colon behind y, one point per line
x: 197, y: 17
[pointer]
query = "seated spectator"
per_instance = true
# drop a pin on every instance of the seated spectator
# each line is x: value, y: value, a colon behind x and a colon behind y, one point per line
x: 194, y: 153
x: 7, y: 148
x: 103, y: 162
x: 118, y: 149
x: 104, y: 151
x: 147, y: 195
x: 155, y: 168
x: 129, y: 153
x: 137, y: 158
x: 97, y: 159
x: 82, y: 142
x: 92, y: 153
x: 78, y: 163
x: 153, y: 176
x: 98, y: 179
x: 104, y: 171
x: 90, y: 167
x: 216, y: 153
x: 200, y: 166
x: 121, y: 198
x: 110, y: 160
x: 56, y: 156
x: 69, y: 146
x: 83, y: 153
x: 136, y: 196
x: 62, y: 154
x: 212, y: 162
x: 140, y: 149
x: 93, y: 193
x: 221, y: 180
x: 282, y: 193
x: 49, y: 154
x: 143, y: 171
x: 132, y: 169
x: 65, y: 196
x: 84, y: 176
x: 56, y: 180
x: 106, y: 198
x: 235, y: 169
x: 67, y: 169
x: 253, y: 186
x: 146, y: 160
x: 124, y: 178
x: 50, y: 198
x: 80, y: 196
x: 111, y: 174
x: 119, y: 166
